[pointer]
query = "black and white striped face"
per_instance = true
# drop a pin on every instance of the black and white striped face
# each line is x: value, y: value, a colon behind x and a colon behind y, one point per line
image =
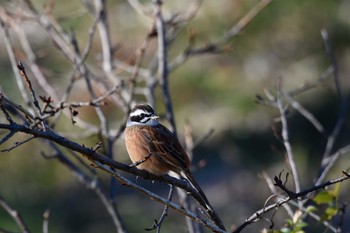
x: 142, y: 114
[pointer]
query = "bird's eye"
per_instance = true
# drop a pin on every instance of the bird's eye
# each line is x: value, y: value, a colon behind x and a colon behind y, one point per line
x: 143, y: 115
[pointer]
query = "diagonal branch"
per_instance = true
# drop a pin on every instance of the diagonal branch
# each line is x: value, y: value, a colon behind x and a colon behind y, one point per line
x: 258, y: 214
x: 24, y: 75
x: 11, y: 54
x: 344, y: 107
x: 93, y: 184
x: 305, y: 113
x: 15, y: 215
x: 161, y: 200
x: 109, y: 165
x: 219, y: 44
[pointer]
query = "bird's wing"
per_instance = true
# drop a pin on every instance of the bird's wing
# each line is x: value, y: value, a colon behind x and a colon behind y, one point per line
x: 164, y: 143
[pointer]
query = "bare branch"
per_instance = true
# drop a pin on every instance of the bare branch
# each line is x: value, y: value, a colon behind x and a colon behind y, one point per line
x: 163, y: 71
x: 7, y: 137
x: 164, y: 201
x: 310, y: 85
x: 165, y: 210
x: 304, y: 112
x: 46, y: 217
x: 3, y: 109
x: 158, y: 223
x: 15, y: 215
x: 13, y: 61
x: 273, y: 189
x: 16, y: 144
x: 219, y: 45
x: 32, y: 92
x: 344, y: 107
x: 330, y: 161
x: 285, y: 136
x: 243, y: 22
x: 102, y: 25
x: 258, y: 214
x: 93, y: 184
x: 333, y: 61
x: 31, y: 60
x: 26, y: 113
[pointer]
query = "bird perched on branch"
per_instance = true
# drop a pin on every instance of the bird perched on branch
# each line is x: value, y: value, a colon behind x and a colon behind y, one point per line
x: 152, y: 147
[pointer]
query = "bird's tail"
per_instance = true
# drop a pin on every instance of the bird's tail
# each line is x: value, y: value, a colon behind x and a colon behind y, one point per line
x: 203, y: 200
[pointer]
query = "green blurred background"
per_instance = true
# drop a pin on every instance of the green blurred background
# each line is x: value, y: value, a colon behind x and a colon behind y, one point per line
x: 209, y: 91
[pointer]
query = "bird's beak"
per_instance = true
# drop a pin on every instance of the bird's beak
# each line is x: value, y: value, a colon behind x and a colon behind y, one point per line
x: 155, y: 117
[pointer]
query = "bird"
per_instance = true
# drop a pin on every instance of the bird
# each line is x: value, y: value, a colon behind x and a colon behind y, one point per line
x: 154, y: 148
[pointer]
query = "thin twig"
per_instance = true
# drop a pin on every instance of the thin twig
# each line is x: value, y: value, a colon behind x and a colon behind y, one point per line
x: 16, y: 144
x: 331, y: 160
x: 93, y: 184
x: 108, y: 64
x: 164, y: 201
x: 92, y: 31
x: 341, y: 221
x: 3, y: 108
x: 192, y: 226
x: 219, y: 45
x: 15, y: 215
x: 304, y: 112
x: 86, y: 75
x: 24, y: 75
x: 273, y: 189
x: 310, y: 85
x: 26, y: 113
x: 158, y: 223
x: 285, y: 136
x: 7, y: 137
x: 258, y: 214
x: 344, y: 106
x: 53, y: 29
x: 163, y: 71
x: 31, y: 60
x: 333, y: 61
x: 165, y: 210
x: 46, y: 217
x: 102, y: 25
x: 244, y: 21
x: 13, y: 61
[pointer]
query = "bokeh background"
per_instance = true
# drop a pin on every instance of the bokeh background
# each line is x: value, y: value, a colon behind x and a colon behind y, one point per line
x: 212, y: 92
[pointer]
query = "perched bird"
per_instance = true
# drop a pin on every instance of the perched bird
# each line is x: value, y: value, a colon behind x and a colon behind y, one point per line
x: 155, y: 149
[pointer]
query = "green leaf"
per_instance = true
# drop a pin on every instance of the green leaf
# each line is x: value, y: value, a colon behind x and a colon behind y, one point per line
x: 289, y: 222
x: 323, y: 197
x: 270, y: 231
x: 300, y: 225
x: 331, y: 212
x: 310, y: 209
x: 286, y: 230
